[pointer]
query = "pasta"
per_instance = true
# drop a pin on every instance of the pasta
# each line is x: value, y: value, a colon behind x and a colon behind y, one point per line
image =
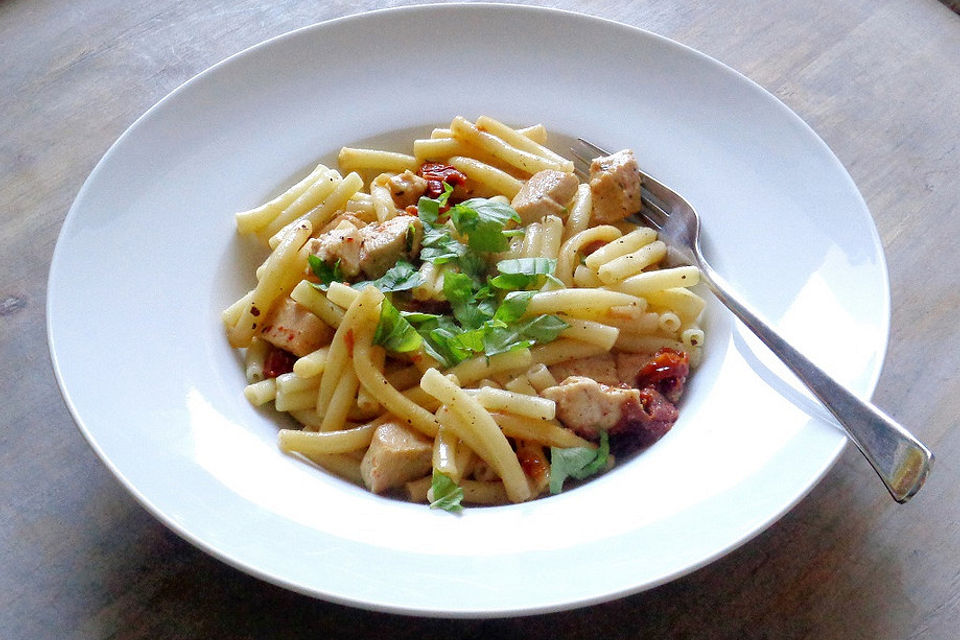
x: 466, y: 323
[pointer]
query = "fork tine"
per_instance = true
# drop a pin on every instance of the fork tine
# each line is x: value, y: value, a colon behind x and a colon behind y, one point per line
x: 594, y: 148
x: 653, y: 214
x: 581, y: 164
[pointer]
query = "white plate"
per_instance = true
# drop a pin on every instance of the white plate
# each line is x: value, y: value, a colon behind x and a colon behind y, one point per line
x: 148, y: 257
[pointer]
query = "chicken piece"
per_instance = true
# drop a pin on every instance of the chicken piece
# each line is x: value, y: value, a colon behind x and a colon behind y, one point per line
x: 406, y: 188
x: 291, y: 327
x: 343, y: 244
x: 629, y: 365
x: 546, y: 192
x: 385, y: 243
x: 601, y: 368
x: 588, y: 407
x: 371, y: 249
x: 396, y: 455
x: 615, y: 187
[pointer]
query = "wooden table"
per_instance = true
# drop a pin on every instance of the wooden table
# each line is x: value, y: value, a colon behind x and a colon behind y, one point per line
x: 879, y: 80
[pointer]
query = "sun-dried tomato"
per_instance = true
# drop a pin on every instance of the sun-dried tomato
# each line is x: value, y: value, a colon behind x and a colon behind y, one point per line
x: 278, y: 362
x: 436, y: 173
x: 666, y: 372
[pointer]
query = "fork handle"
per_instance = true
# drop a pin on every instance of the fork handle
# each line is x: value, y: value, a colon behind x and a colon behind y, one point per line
x: 901, y: 461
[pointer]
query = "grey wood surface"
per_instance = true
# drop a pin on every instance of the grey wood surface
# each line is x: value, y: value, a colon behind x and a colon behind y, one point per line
x: 879, y: 80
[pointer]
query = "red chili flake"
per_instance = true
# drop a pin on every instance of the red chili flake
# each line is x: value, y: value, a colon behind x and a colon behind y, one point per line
x: 277, y: 362
x: 348, y: 339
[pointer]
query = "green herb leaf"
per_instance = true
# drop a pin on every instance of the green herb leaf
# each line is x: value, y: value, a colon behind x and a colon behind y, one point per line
x: 419, y: 317
x: 438, y: 246
x: 519, y: 273
x: 447, y: 495
x: 428, y: 209
x: 513, y: 307
x: 543, y: 328
x: 483, y: 222
x: 500, y: 339
x: 471, y: 306
x: 394, y: 332
x: 577, y: 462
x: 402, y: 276
x: 326, y: 272
x: 528, y: 266
x: 443, y: 344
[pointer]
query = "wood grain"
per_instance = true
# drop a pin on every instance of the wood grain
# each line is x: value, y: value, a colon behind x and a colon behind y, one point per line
x: 877, y: 79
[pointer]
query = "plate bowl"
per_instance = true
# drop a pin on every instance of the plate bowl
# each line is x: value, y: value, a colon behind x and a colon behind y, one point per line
x: 148, y: 256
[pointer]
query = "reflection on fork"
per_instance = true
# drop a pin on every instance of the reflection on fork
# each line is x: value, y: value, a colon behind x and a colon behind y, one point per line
x: 901, y: 461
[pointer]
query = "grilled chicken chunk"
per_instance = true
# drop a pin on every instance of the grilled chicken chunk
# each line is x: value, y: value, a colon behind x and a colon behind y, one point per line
x: 371, y: 249
x: 396, y: 456
x: 385, y: 243
x: 406, y: 188
x: 343, y: 244
x: 545, y: 193
x: 615, y: 187
x: 289, y: 326
x: 588, y: 407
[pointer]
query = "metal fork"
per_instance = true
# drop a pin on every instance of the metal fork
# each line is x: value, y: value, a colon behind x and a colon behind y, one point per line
x: 901, y: 461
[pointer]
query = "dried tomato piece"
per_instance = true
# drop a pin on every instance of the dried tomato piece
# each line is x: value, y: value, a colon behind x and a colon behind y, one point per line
x: 277, y: 362
x: 436, y: 173
x: 666, y: 372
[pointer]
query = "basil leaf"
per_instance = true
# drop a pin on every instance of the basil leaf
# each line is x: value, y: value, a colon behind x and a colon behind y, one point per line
x: 471, y: 307
x: 473, y: 340
x: 443, y: 197
x: 428, y: 209
x: 528, y: 266
x: 443, y: 344
x: 519, y: 273
x: 438, y: 246
x: 419, y: 317
x: 326, y: 272
x: 512, y: 281
x: 555, y: 280
x: 447, y: 495
x: 457, y: 287
x: 402, y: 276
x: 500, y: 339
x: 543, y: 328
x: 483, y: 222
x: 513, y: 307
x: 577, y: 462
x: 473, y: 264
x: 394, y: 332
